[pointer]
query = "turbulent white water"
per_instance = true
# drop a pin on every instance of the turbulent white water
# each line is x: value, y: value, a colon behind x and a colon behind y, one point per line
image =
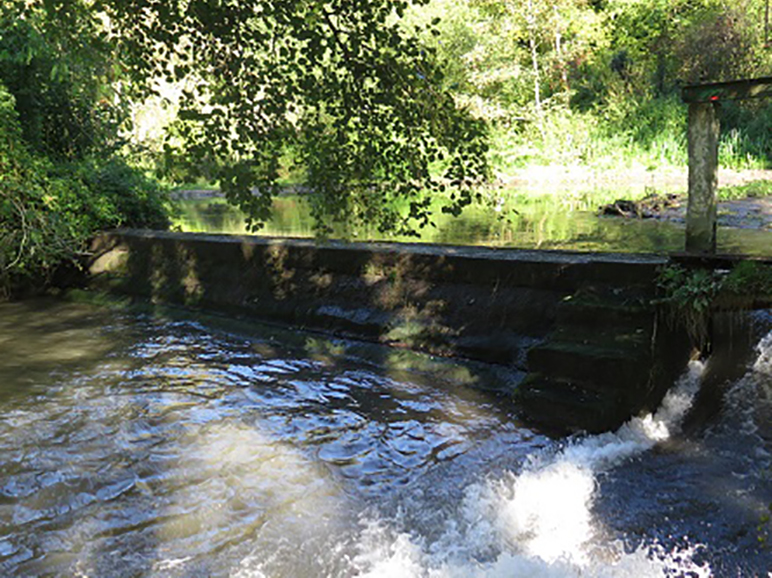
x: 539, y: 521
x: 536, y: 523
x: 168, y: 450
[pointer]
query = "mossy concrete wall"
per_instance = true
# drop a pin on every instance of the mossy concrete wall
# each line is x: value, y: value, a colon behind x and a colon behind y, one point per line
x: 493, y: 305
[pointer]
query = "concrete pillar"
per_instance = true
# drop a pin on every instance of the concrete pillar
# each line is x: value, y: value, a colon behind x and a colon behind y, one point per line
x: 704, y: 131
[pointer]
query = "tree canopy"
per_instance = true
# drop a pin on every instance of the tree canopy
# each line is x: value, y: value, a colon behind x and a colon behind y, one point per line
x: 378, y: 100
x: 384, y: 108
x: 62, y: 177
x: 344, y: 88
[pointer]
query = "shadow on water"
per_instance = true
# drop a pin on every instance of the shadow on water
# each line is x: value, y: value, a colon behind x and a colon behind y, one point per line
x: 54, y: 341
x: 734, y: 336
x: 158, y: 445
x: 399, y: 298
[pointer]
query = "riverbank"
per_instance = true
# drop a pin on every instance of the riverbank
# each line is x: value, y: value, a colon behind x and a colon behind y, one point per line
x: 670, y: 179
x: 562, y: 178
x: 750, y: 213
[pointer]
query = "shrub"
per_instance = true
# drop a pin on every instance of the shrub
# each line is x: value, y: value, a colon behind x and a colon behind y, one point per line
x: 33, y: 237
x: 48, y: 211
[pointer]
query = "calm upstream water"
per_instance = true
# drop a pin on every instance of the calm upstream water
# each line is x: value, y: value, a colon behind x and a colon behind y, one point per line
x: 566, y: 222
x: 144, y: 444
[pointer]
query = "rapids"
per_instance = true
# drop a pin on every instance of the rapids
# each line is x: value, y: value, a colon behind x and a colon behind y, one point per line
x: 147, y: 444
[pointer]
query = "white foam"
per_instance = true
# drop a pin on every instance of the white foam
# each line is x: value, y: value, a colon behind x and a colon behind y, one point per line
x: 539, y: 522
x: 402, y: 557
x: 763, y: 362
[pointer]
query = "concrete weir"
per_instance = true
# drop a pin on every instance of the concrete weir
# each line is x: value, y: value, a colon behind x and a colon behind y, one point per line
x: 585, y: 345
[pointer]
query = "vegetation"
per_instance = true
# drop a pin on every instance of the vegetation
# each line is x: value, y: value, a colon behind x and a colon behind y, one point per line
x: 390, y: 109
x: 598, y: 82
x: 756, y: 189
x: 61, y: 175
x: 556, y: 82
x: 691, y: 295
x: 341, y: 89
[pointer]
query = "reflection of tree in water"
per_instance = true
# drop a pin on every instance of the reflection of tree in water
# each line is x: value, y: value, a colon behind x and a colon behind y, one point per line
x: 210, y: 216
x: 217, y: 214
x: 614, y: 234
x: 540, y: 222
x: 465, y: 231
x: 291, y: 216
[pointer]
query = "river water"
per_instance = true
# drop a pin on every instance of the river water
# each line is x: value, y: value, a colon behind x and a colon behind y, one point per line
x: 568, y: 221
x: 161, y: 444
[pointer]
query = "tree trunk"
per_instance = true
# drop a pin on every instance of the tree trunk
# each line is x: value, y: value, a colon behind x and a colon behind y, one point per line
x: 532, y: 40
x: 559, y: 51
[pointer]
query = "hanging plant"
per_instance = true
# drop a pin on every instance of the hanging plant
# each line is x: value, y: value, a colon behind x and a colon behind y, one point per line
x: 691, y: 295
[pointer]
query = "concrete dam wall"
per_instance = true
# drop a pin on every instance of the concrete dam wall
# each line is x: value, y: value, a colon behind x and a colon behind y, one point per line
x: 585, y: 345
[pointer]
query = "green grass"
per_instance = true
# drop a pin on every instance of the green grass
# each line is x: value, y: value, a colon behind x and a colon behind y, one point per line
x: 756, y: 189
x: 653, y: 137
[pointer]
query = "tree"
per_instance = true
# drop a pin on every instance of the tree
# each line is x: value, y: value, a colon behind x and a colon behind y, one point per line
x: 61, y: 179
x: 58, y: 65
x: 338, y: 86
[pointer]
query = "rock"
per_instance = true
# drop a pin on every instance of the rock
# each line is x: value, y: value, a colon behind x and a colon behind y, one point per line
x: 648, y: 207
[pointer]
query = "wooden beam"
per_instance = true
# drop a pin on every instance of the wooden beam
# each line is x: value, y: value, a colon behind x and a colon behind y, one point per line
x: 703, y: 136
x: 735, y: 90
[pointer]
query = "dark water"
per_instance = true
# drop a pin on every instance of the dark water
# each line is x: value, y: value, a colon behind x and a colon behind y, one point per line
x: 714, y: 485
x: 138, y: 444
x: 544, y: 222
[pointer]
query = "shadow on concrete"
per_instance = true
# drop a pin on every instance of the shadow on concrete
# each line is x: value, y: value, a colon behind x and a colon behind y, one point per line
x: 482, y: 304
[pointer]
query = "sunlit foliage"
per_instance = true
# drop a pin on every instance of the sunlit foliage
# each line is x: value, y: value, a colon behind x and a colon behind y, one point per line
x: 587, y: 82
x: 61, y: 177
x: 340, y: 88
x: 383, y: 108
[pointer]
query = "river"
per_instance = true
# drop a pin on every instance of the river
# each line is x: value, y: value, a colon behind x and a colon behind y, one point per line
x: 564, y: 221
x: 155, y: 443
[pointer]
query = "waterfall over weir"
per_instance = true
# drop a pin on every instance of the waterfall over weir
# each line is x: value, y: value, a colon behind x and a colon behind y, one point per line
x: 134, y: 444
x: 539, y: 522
